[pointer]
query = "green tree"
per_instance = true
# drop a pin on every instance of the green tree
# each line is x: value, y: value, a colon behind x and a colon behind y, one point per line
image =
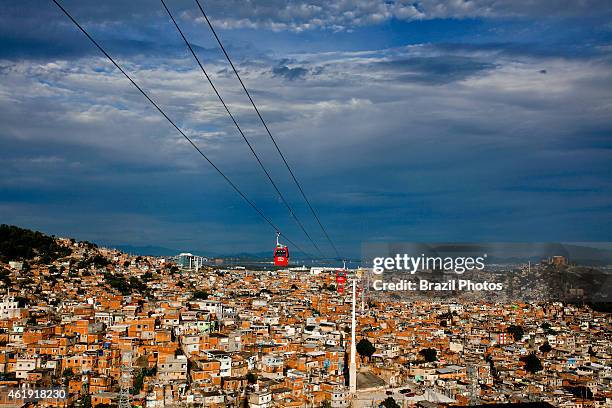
x: 251, y: 378
x: 517, y: 332
x: 547, y: 328
x: 200, y: 295
x: 118, y: 282
x: 5, y: 276
x: 429, y: 354
x: 532, y: 363
x: 365, y: 348
x: 389, y: 402
x: 137, y: 284
x: 545, y: 348
x: 138, y: 382
x: 99, y: 261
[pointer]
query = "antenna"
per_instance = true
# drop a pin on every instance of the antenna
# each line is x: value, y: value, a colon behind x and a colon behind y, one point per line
x: 353, y: 362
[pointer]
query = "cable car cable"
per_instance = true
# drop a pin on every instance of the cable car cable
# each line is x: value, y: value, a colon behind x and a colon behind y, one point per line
x: 160, y: 110
x: 297, y: 183
x: 282, y: 197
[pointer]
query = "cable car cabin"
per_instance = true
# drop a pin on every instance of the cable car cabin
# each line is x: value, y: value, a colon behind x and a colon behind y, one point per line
x: 281, y: 256
x: 340, y: 280
x: 281, y: 253
x: 340, y: 276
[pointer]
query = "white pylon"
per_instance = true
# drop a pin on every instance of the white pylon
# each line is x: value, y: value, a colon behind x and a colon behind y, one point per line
x: 353, y: 362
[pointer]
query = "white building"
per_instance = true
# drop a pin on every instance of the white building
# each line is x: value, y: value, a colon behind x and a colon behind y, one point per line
x: 23, y: 366
x: 224, y: 359
x: 261, y: 399
x: 189, y: 261
x: 9, y: 308
x: 173, y: 369
x: 340, y: 397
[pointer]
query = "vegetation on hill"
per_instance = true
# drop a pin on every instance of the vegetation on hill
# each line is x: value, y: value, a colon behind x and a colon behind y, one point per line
x: 546, y: 347
x: 532, y: 363
x: 516, y: 331
x: 125, y: 286
x: 604, y: 307
x: 429, y: 354
x: 23, y: 244
x: 365, y: 348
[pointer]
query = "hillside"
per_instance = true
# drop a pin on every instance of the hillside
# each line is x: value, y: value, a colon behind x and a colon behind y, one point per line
x: 22, y: 244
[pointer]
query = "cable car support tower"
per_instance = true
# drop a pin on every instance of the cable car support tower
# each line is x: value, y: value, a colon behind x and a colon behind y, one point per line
x: 125, y: 381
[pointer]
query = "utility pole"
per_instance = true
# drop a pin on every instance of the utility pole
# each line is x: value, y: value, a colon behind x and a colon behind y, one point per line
x: 353, y: 363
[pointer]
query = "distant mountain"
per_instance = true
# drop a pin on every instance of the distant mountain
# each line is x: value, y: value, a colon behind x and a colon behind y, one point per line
x: 19, y: 243
x: 246, y: 255
x: 153, y: 250
x: 579, y: 254
x: 596, y: 254
x: 150, y: 250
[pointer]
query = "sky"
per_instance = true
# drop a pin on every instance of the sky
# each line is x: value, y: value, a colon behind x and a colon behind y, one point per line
x: 414, y: 121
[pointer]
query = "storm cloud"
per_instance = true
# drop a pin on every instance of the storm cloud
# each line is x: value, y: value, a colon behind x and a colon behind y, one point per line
x: 428, y: 141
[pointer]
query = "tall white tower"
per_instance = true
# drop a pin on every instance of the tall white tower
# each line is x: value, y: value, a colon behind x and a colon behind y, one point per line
x: 353, y: 362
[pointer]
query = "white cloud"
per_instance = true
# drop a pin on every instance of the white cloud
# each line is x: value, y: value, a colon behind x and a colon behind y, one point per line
x: 421, y: 119
x: 280, y: 15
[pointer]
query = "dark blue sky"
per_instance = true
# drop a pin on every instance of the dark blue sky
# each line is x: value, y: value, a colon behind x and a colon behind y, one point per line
x: 439, y: 120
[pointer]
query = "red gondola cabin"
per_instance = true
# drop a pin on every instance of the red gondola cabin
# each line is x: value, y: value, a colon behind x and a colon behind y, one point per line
x: 340, y: 280
x: 281, y: 253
